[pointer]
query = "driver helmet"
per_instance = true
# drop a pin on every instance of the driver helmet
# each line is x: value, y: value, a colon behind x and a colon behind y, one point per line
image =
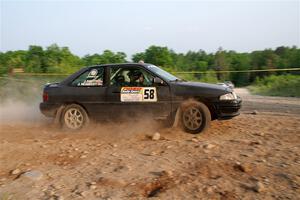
x: 135, y: 74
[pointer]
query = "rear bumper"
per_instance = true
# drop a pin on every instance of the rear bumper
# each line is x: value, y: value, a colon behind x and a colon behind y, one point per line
x: 228, y: 109
x: 48, y: 109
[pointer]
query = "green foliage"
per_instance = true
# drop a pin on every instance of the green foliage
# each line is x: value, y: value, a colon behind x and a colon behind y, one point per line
x: 35, y: 60
x: 209, y: 77
x: 55, y: 59
x: 240, y: 62
x: 138, y: 57
x: 160, y: 56
x: 281, y: 85
x: 106, y: 57
x: 221, y: 64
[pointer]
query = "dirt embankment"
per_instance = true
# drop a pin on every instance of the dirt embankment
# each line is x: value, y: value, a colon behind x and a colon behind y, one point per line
x: 253, y: 156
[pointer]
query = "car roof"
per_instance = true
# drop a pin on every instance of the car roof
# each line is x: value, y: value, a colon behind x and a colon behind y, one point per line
x: 122, y: 64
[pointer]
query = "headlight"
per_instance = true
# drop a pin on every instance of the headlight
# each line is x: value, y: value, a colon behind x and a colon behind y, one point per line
x: 229, y: 96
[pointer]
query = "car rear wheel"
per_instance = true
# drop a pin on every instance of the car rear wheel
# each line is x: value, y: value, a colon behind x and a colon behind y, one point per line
x: 195, y: 117
x: 74, y: 117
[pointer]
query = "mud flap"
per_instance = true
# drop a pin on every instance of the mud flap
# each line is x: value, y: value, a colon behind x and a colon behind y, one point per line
x: 177, y: 118
x: 57, y: 119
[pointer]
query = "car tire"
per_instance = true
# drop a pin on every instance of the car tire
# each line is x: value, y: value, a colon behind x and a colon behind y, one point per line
x: 195, y: 117
x: 74, y: 117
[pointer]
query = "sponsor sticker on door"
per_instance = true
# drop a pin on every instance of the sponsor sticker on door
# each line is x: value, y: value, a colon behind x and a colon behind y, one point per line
x: 138, y: 94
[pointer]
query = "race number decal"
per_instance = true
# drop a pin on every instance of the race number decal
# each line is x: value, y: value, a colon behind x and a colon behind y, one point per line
x: 149, y: 94
x: 138, y: 94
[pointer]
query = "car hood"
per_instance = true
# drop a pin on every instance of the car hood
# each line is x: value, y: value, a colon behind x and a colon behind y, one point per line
x: 203, y: 85
x: 199, y: 89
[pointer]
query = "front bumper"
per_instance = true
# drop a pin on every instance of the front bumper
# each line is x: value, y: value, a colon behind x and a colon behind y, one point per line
x: 228, y: 109
x: 48, y: 109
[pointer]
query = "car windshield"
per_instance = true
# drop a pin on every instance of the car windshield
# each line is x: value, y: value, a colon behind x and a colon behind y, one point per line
x: 162, y: 73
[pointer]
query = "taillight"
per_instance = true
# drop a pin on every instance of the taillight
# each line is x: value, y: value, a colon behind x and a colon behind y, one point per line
x: 45, y: 96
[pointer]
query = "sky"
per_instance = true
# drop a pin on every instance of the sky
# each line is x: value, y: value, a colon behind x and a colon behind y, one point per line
x: 89, y: 27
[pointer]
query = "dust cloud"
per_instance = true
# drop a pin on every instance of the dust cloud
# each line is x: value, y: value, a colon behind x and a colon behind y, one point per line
x: 20, y: 112
x: 19, y: 100
x: 19, y: 105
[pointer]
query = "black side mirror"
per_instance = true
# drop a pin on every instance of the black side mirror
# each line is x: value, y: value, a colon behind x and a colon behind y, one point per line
x: 157, y: 80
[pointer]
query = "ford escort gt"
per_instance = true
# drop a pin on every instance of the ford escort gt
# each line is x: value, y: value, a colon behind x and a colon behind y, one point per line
x: 129, y: 90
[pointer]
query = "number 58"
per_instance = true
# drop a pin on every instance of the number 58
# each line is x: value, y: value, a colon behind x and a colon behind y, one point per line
x: 149, y: 94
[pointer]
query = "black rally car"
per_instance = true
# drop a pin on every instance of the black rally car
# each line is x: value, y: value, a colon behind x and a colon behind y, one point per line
x: 136, y: 90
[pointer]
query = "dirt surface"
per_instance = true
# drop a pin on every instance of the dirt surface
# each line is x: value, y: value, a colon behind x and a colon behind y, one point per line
x: 279, y: 105
x: 253, y: 156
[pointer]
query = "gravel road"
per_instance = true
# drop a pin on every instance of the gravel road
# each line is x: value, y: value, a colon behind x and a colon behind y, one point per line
x: 253, y: 156
x: 278, y: 105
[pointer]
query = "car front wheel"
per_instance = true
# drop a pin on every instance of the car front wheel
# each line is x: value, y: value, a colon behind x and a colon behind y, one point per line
x: 74, y: 117
x: 195, y: 117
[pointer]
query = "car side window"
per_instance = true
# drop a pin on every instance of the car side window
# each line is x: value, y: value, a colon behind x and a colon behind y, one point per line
x: 92, y: 77
x: 130, y: 77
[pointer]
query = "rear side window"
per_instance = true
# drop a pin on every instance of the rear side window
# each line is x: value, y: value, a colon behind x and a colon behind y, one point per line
x: 92, y: 77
